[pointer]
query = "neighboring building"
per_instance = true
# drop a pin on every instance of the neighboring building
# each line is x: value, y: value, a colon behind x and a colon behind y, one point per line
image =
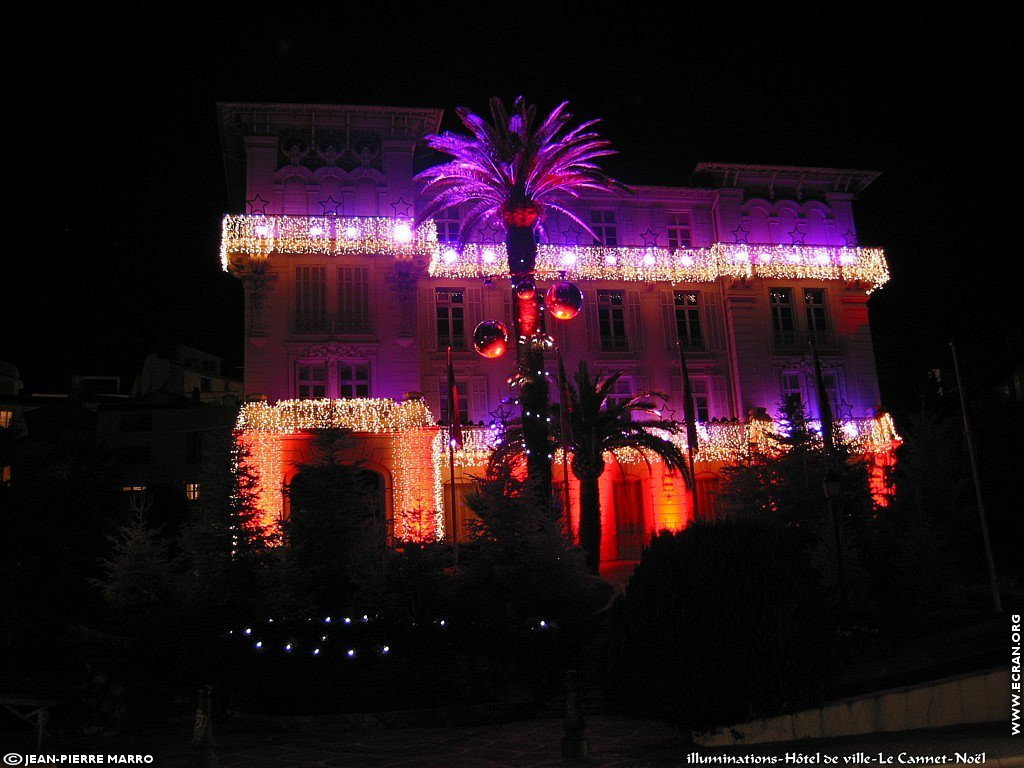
x: 156, y: 438
x: 349, y: 310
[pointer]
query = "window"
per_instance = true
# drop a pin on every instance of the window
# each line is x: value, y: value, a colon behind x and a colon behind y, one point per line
x: 603, y: 224
x: 701, y: 398
x: 6, y: 417
x: 353, y: 379
x: 448, y: 224
x: 192, y: 491
x: 450, y: 306
x: 311, y: 380
x: 353, y: 300
x: 463, y: 387
x: 687, y: 310
x: 310, y: 299
x: 623, y: 391
x: 611, y: 320
x: 680, y: 230
x: 5, y: 474
x: 782, y: 316
x: 792, y: 385
x: 832, y: 394
x: 816, y: 316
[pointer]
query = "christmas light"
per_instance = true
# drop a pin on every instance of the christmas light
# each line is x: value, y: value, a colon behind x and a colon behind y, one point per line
x: 866, y: 266
x: 367, y: 414
x: 253, y: 238
x: 256, y: 237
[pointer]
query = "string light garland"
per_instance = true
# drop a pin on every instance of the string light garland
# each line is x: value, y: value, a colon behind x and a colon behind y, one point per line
x: 420, y: 450
x: 367, y: 414
x: 253, y: 238
x: 850, y: 264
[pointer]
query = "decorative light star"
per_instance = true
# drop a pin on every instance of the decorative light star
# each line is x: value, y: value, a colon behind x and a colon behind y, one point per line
x: 650, y: 238
x: 257, y: 205
x: 741, y: 234
x: 331, y: 207
x: 491, y: 234
x: 402, y: 209
x: 571, y: 236
x: 850, y: 237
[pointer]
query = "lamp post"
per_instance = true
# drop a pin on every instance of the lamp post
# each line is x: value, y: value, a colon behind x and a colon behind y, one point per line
x: 832, y: 486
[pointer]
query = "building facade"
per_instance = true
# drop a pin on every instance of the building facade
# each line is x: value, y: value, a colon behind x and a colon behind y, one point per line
x: 350, y: 309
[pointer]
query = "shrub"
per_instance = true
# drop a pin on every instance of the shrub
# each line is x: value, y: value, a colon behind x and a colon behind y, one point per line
x: 721, y: 623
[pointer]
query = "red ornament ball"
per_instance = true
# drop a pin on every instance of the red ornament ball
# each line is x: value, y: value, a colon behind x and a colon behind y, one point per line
x: 564, y: 300
x: 526, y: 289
x: 490, y: 338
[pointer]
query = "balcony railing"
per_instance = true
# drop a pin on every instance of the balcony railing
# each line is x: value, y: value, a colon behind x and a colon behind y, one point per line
x: 339, y: 324
x: 797, y: 341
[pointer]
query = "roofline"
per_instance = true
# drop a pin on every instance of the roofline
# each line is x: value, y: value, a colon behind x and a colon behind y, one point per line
x: 861, y: 178
x: 432, y: 115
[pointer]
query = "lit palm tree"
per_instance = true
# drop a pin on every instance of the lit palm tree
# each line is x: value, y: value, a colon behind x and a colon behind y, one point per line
x: 598, y: 424
x: 511, y: 173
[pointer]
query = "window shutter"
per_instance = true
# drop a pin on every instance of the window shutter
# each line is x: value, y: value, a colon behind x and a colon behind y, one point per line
x: 713, y: 322
x: 428, y: 320
x: 719, y: 398
x: 478, y: 405
x: 432, y: 394
x: 636, y: 336
x: 593, y: 328
x: 474, y: 313
x: 668, y: 319
x: 701, y: 228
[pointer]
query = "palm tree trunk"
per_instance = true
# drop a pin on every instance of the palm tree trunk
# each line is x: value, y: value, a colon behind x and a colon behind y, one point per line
x: 533, y: 397
x: 590, y: 522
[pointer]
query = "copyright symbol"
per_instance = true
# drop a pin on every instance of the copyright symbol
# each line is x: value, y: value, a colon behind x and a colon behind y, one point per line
x: 13, y: 758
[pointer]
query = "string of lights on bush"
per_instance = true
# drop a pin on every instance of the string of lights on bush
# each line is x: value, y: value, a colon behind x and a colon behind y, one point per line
x: 254, y: 238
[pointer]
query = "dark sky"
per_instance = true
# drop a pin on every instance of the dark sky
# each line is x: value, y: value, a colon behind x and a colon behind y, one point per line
x: 121, y: 187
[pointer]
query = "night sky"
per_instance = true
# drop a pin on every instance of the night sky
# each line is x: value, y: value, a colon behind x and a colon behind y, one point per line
x: 118, y: 176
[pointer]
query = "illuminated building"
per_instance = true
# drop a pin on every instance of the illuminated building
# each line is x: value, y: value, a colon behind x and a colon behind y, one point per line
x: 349, y: 309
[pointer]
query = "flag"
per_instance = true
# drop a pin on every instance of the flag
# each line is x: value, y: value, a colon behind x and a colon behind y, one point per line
x: 454, y: 424
x: 689, y: 410
x: 825, y: 410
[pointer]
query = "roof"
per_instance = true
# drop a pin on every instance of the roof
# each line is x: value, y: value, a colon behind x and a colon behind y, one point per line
x: 790, y: 177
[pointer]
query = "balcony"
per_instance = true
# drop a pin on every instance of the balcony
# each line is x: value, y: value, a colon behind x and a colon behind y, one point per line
x: 796, y: 342
x: 341, y: 324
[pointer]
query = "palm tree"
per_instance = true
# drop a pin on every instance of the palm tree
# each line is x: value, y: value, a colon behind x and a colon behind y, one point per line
x: 600, y: 424
x: 511, y: 173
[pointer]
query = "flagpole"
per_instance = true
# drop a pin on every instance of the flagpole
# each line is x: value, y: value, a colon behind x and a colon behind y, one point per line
x: 831, y: 480
x: 690, y: 416
x: 997, y: 603
x: 455, y: 516
x: 454, y: 438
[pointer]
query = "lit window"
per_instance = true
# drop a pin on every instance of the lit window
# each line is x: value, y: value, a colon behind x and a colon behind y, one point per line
x: 783, y: 329
x: 5, y: 474
x: 687, y: 310
x: 611, y: 319
x: 353, y: 379
x: 133, y: 488
x: 701, y: 398
x: 680, y: 230
x: 793, y: 386
x: 816, y: 316
x: 6, y: 417
x: 448, y: 223
x: 602, y: 222
x: 353, y: 300
x: 310, y: 299
x: 446, y: 416
x: 623, y: 391
x: 192, y: 491
x: 311, y: 380
x: 450, y: 309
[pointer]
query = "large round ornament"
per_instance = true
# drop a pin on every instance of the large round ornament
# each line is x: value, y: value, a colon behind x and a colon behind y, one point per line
x: 522, y: 214
x: 490, y: 338
x: 564, y: 300
x: 526, y: 289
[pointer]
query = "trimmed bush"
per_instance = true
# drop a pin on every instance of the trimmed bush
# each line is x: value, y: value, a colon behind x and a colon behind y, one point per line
x: 721, y: 623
